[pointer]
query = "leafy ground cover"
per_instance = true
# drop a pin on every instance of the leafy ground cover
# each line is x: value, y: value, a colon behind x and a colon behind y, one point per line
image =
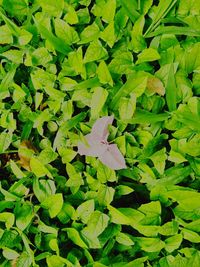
x: 64, y: 64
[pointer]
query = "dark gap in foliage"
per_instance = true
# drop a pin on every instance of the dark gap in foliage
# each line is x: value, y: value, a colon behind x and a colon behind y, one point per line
x: 22, y: 75
x: 190, y: 76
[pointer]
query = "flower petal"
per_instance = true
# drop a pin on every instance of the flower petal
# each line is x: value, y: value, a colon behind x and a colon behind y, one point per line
x: 100, y: 128
x: 94, y: 148
x: 113, y: 158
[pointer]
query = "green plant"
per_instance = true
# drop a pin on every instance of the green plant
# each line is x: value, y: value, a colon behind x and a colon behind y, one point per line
x: 64, y: 64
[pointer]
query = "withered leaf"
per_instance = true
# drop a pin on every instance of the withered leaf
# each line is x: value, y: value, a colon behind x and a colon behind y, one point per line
x: 14, y: 263
x: 154, y: 85
x: 26, y: 151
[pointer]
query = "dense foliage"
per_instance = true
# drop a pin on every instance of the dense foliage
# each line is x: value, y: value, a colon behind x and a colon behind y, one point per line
x: 64, y: 64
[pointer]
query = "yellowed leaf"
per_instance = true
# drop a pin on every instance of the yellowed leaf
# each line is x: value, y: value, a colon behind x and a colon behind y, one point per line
x: 25, y: 152
x: 154, y: 85
x: 14, y: 263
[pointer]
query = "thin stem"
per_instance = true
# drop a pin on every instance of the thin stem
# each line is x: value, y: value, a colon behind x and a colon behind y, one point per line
x: 156, y: 22
x: 9, y: 151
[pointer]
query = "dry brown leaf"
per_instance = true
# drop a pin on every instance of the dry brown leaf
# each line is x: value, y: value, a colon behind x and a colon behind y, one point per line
x: 43, y: 106
x: 154, y: 85
x: 26, y: 151
x: 14, y: 263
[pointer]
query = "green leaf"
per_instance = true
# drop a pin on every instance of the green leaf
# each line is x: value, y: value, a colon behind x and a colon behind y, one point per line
x: 105, y: 174
x: 8, y: 218
x: 64, y: 64
x: 167, y: 261
x: 47, y: 155
x: 83, y: 16
x: 143, y: 116
x: 177, y: 30
x: 67, y: 154
x: 75, y: 60
x: 148, y: 54
x: 191, y: 236
x: 53, y: 244
x: 95, y: 51
x: 56, y: 42
x: 171, y: 89
x: 47, y: 229
x: 124, y: 190
x: 159, y: 12
x: 145, y: 6
x: 147, y: 230
x: 97, y: 222
x: 6, y: 82
x: 105, y: 195
x: 16, y: 170
x: 194, y: 226
x: 75, y: 179
x: 188, y: 209
x: 85, y: 210
x: 138, y: 42
x: 153, y: 145
x: 159, y: 159
x: 5, y: 141
x: 136, y: 84
x: 41, y: 56
x: 16, y: 7
x: 43, y: 188
x: 104, y: 74
x: 54, y: 204
x: 8, y: 196
x: 65, y: 32
x: 121, y: 143
x: 127, y: 107
x: 124, y: 239
x: 41, y: 78
x: 184, y: 146
x: 109, y: 11
x: 89, y: 34
x: 174, y: 175
x: 130, y: 9
x: 169, y: 228
x: 189, y: 53
x: 176, y: 157
x: 67, y: 213
x: 52, y: 8
x: 150, y: 244
x: 137, y: 263
x: 194, y: 260
x: 6, y: 35
x: 57, y: 261
x: 152, y: 211
x: 38, y: 168
x: 24, y: 260
x: 71, y: 16
x: 24, y: 214
x: 118, y: 217
x: 122, y: 63
x: 91, y: 239
x: 74, y: 235
x: 18, y: 93
x: 173, y: 243
x: 16, y: 56
x: 188, y: 118
x: 69, y: 124
x: 10, y: 254
x: 108, y: 35
x: 97, y: 102
x: 22, y: 35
